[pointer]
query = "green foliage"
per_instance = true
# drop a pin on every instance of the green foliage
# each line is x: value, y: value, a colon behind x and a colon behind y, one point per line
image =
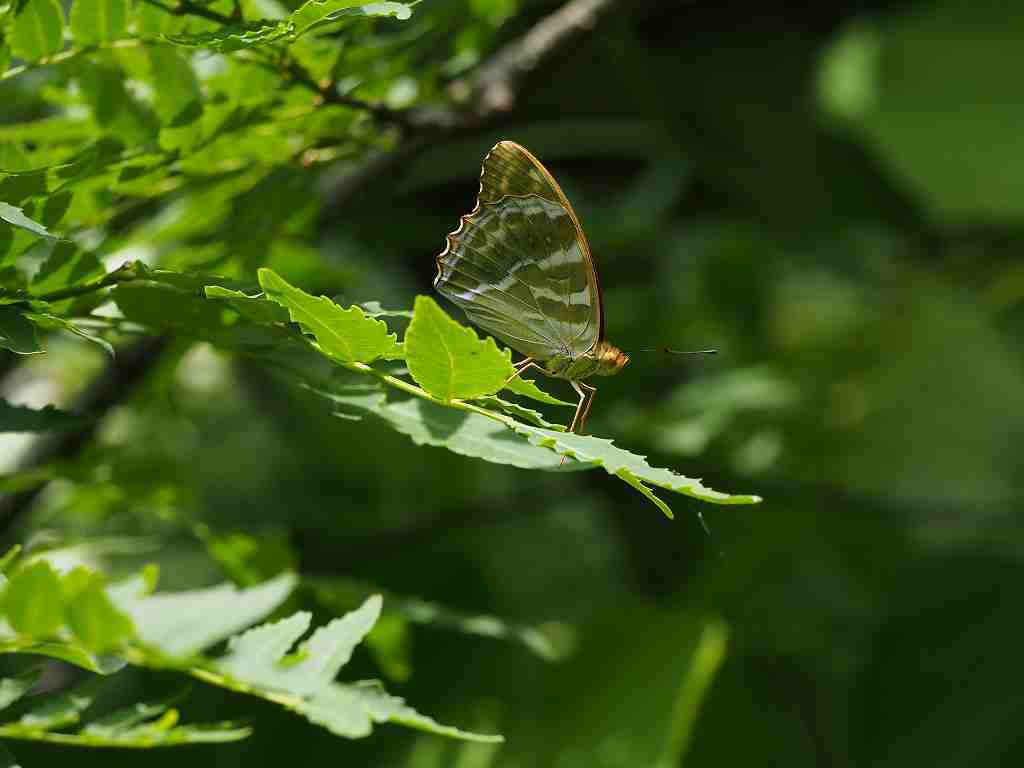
x: 831, y: 196
x: 38, y: 29
x: 140, y: 726
x: 346, y: 335
x: 98, y: 21
x: 448, y: 360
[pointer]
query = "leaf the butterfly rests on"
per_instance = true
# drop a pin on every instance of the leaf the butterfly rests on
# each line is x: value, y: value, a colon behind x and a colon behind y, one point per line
x: 520, y: 267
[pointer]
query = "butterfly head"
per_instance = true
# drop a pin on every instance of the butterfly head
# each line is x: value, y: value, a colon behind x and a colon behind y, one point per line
x: 610, y: 358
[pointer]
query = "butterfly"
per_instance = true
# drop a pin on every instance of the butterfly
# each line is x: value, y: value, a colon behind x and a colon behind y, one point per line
x: 520, y: 267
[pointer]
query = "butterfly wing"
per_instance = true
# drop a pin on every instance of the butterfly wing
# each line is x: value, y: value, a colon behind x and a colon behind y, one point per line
x: 519, y: 264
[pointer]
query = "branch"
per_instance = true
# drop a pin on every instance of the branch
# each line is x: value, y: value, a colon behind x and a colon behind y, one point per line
x: 488, y: 92
x: 493, y: 87
x: 188, y: 8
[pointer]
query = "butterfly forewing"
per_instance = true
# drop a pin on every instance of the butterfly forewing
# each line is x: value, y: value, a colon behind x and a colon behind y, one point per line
x: 519, y: 265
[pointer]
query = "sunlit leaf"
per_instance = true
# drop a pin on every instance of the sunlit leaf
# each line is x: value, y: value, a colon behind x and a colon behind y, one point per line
x: 38, y: 29
x: 347, y: 335
x: 33, y: 600
x: 448, y: 359
x: 98, y: 21
x: 179, y: 624
x: 304, y: 681
x: 16, y: 218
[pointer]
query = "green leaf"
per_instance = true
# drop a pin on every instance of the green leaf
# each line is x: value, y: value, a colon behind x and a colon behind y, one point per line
x: 16, y: 333
x: 178, y: 100
x: 33, y: 600
x: 472, y: 434
x: 352, y: 710
x: 347, y: 335
x: 528, y: 388
x: 72, y: 653
x: 234, y: 38
x: 448, y: 359
x: 255, y: 657
x: 517, y: 411
x: 20, y: 418
x: 61, y: 710
x: 49, y: 321
x: 180, y: 624
x: 38, y: 29
x: 256, y: 308
x: 16, y: 218
x: 65, y: 266
x: 91, y: 615
x: 13, y: 688
x: 313, y: 13
x: 143, y: 725
x: 629, y: 467
x: 98, y: 21
x: 304, y: 681
x: 467, y: 434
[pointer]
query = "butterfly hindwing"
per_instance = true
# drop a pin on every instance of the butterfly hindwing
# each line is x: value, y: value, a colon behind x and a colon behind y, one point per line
x: 519, y: 265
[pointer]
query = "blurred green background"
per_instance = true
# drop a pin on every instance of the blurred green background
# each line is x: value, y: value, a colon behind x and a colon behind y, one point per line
x: 834, y: 197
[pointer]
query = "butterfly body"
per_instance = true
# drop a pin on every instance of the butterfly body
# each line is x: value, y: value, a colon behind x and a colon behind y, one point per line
x: 603, y: 359
x: 520, y: 267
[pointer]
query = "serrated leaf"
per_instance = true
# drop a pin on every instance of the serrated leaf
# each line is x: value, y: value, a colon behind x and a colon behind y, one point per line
x: 98, y: 21
x: 347, y: 335
x: 16, y: 218
x: 142, y: 725
x: 313, y: 13
x: 38, y: 29
x: 257, y: 308
x: 33, y: 601
x: 234, y: 38
x: 517, y: 411
x: 629, y: 467
x: 16, y: 333
x: 528, y: 388
x: 467, y: 434
x: 352, y: 710
x: 255, y: 657
x: 180, y: 624
x: 448, y: 359
x: 20, y: 418
x: 303, y: 682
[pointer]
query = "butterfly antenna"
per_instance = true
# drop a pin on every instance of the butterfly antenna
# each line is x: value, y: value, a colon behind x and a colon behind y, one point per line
x: 667, y: 351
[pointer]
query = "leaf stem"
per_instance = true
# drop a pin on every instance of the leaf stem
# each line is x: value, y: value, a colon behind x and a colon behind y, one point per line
x: 123, y: 274
x: 412, y: 389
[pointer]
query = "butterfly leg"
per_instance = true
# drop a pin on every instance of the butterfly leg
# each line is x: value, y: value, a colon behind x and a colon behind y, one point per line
x: 521, y: 367
x: 586, y: 393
